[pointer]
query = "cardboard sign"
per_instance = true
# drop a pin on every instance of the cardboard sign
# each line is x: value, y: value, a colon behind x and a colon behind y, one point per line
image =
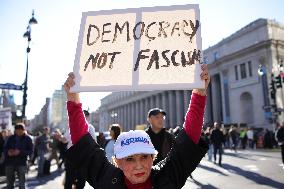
x: 6, y: 119
x: 157, y: 48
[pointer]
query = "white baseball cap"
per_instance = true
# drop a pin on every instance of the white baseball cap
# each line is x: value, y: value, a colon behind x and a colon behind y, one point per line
x: 133, y: 142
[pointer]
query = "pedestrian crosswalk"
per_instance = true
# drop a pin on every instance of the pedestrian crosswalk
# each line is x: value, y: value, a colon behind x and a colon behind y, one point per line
x: 251, y: 168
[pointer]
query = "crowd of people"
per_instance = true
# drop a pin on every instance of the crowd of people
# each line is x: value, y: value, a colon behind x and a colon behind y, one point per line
x: 21, y: 150
x: 154, y: 158
x: 47, y: 146
x: 39, y: 150
x: 219, y: 138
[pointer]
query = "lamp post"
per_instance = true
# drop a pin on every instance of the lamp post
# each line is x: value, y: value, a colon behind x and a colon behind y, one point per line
x: 269, y: 108
x: 113, y: 115
x: 279, y: 79
x: 27, y: 35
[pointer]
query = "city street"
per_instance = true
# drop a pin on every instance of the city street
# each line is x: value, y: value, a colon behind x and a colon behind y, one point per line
x: 250, y: 169
x: 114, y: 69
x: 261, y: 169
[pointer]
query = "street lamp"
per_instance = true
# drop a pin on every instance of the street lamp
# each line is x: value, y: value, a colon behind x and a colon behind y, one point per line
x: 27, y: 35
x: 269, y: 108
x: 113, y: 115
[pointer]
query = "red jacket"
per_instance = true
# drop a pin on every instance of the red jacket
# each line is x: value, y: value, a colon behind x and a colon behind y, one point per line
x: 169, y: 174
x: 194, y: 117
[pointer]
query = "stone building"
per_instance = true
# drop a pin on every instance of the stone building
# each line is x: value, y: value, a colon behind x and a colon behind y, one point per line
x: 237, y: 94
x: 130, y: 109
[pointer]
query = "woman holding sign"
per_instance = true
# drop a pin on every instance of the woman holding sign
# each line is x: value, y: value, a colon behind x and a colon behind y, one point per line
x: 134, y: 151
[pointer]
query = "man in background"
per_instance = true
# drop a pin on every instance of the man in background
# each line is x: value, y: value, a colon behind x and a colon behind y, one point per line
x: 92, y: 130
x: 160, y: 137
x: 217, y: 139
x: 17, y: 149
x: 43, y: 149
x: 280, y: 139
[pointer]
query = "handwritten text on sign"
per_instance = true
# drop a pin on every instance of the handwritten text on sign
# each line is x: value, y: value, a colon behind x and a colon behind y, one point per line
x: 139, y: 49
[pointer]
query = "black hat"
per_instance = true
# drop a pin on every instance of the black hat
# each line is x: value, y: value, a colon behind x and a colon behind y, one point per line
x: 20, y: 126
x: 156, y: 111
x: 86, y: 112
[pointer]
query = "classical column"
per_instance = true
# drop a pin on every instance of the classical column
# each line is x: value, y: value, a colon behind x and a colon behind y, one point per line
x: 171, y: 116
x: 225, y: 95
x: 125, y: 117
x: 158, y: 104
x: 166, y: 107
x: 152, y: 102
x: 117, y: 115
x: 164, y: 103
x: 147, y: 105
x: 217, y: 96
x: 142, y: 114
x: 120, y: 115
x: 208, y: 118
x: 115, y: 118
x: 186, y: 96
x: 128, y: 116
x: 132, y: 117
x: 179, y: 108
x: 136, y: 112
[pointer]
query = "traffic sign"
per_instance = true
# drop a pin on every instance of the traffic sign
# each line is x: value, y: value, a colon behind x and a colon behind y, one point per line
x: 10, y: 86
x: 266, y: 107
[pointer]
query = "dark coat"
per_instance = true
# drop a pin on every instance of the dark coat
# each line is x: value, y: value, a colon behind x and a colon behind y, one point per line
x: 280, y: 135
x: 217, y: 137
x: 162, y: 142
x: 25, y: 147
x: 171, y: 173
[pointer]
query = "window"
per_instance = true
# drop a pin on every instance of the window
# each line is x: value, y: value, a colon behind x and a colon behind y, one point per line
x: 216, y: 56
x: 205, y: 60
x: 250, y: 68
x: 243, y: 71
x: 236, y: 73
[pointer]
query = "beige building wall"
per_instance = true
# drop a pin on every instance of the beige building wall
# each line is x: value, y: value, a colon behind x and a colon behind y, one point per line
x: 232, y: 98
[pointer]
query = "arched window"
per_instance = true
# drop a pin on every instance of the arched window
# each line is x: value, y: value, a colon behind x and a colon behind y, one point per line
x: 246, y: 108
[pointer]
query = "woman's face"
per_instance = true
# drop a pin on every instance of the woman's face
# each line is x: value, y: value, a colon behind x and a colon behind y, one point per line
x: 136, y: 168
x: 111, y: 133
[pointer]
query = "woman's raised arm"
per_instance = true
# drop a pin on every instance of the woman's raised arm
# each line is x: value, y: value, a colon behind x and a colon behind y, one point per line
x: 77, y: 121
x: 195, y: 114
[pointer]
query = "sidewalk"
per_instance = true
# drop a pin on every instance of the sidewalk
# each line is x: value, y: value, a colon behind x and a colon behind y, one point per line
x: 33, y: 182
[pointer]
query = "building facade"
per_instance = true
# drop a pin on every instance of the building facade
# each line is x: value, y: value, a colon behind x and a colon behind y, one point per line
x: 53, y: 114
x: 129, y: 109
x: 237, y: 93
x: 8, y: 110
x: 58, y: 116
x: 42, y: 119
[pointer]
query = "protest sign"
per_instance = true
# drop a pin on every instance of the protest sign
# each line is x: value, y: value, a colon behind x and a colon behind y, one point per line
x: 154, y: 48
x: 6, y: 119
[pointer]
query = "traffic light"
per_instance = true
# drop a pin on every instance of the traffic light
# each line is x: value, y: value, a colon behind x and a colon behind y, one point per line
x: 272, y: 94
x: 278, y: 80
x: 272, y: 85
x: 272, y: 89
